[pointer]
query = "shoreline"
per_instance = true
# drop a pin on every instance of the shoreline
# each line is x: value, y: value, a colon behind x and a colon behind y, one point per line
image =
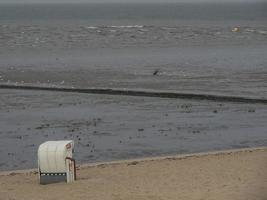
x: 146, y: 159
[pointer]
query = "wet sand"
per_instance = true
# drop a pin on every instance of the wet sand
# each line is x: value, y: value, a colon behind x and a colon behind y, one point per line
x: 232, y: 175
x: 108, y: 128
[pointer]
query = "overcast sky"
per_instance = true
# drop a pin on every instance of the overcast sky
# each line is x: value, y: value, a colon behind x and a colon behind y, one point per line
x: 128, y: 1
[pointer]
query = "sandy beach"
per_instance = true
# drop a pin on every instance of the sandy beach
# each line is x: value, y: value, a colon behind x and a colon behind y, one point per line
x: 232, y: 175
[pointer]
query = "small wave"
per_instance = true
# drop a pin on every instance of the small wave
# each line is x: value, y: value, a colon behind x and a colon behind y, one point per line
x: 126, y: 26
x: 129, y: 26
x: 169, y: 28
x: 262, y: 32
x: 91, y: 27
x: 249, y: 30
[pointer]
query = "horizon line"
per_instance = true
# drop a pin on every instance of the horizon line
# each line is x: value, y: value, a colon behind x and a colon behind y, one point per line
x: 139, y: 2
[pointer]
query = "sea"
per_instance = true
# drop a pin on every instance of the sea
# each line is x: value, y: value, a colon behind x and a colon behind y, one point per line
x: 120, y: 25
x: 122, y: 44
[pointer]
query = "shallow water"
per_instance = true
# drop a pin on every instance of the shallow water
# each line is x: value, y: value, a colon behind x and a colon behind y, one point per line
x: 231, y: 70
x: 192, y: 46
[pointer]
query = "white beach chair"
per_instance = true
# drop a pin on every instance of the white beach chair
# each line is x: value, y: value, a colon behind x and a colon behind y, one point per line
x: 55, y: 162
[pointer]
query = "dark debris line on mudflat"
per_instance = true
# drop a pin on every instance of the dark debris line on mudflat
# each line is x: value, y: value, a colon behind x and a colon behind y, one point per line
x: 159, y: 94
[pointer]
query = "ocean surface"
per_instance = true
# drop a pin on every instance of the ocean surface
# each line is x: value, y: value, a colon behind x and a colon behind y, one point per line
x: 35, y: 26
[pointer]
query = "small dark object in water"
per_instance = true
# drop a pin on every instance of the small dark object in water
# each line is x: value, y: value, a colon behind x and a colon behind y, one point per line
x: 140, y: 129
x: 196, y: 131
x: 215, y: 111
x: 155, y: 72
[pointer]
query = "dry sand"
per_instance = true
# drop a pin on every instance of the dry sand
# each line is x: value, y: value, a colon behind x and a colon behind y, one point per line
x: 227, y: 175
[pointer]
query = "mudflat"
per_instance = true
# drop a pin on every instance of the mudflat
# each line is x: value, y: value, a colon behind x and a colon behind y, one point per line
x: 232, y: 175
x: 108, y: 128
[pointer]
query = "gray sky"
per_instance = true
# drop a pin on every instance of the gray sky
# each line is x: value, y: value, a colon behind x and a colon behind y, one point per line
x: 128, y: 1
